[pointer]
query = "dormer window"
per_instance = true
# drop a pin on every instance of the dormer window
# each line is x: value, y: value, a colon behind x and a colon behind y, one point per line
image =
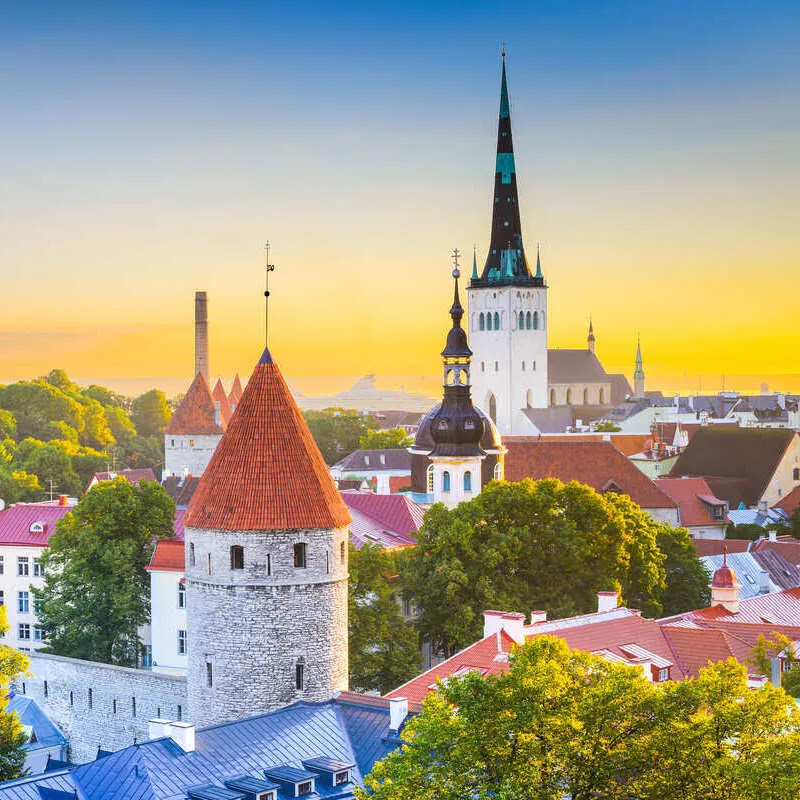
x: 366, y: 460
x: 341, y: 778
x: 38, y: 527
x: 306, y: 787
x: 383, y: 459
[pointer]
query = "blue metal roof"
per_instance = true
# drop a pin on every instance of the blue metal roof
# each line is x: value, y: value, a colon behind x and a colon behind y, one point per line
x: 749, y: 572
x: 214, y: 793
x: 30, y: 715
x: 245, y: 783
x: 324, y: 764
x: 342, y: 730
x: 289, y: 774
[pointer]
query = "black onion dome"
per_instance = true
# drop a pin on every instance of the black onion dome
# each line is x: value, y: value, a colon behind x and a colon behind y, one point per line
x: 456, y: 428
x: 490, y: 440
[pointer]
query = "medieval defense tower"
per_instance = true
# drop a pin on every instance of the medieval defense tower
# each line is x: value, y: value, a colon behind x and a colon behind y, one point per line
x: 508, y: 304
x: 266, y: 564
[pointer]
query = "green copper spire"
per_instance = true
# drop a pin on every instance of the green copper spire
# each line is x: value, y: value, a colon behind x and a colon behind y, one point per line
x: 538, y: 264
x: 474, y: 262
x: 639, y: 371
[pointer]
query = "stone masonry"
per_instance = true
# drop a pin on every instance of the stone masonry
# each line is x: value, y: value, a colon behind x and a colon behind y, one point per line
x: 100, y: 705
x: 249, y: 628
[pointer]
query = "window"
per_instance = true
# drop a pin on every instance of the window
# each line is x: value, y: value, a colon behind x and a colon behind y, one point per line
x: 327, y: 562
x: 481, y: 321
x: 237, y: 557
x: 602, y: 396
x: 209, y: 674
x: 23, y: 631
x: 37, y: 605
x: 483, y: 366
x: 38, y: 634
x: 181, y: 643
x: 489, y: 321
x: 2, y: 565
x: 467, y: 481
x: 406, y: 607
x: 2, y: 598
x: 342, y: 552
x: 306, y: 787
x: 71, y: 699
x: 569, y: 397
x: 300, y: 555
x: 23, y: 687
x: 528, y: 321
x: 497, y: 320
x: 181, y: 595
x: 445, y: 481
x: 133, y: 706
x: 38, y: 569
x: 536, y: 320
x: 523, y: 366
x: 114, y: 706
x: 429, y: 476
x: 179, y: 715
x: 269, y: 565
x: 90, y: 698
x: 22, y: 565
x: 191, y: 554
x: 498, y: 471
x: 796, y: 474
x: 340, y: 778
x: 496, y: 366
x: 23, y: 601
x: 299, y: 675
x: 663, y: 674
x: 209, y: 563
x: 586, y: 397
x: 191, y: 442
x: 521, y: 322
x: 45, y: 688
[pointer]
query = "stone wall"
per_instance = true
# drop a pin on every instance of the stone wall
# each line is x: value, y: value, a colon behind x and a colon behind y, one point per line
x: 122, y: 701
x: 191, y: 452
x: 249, y: 628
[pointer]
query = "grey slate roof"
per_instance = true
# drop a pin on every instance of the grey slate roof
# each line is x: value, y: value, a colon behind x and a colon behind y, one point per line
x: 749, y: 572
x: 554, y: 419
x: 574, y: 366
x: 782, y: 572
x: 370, y: 461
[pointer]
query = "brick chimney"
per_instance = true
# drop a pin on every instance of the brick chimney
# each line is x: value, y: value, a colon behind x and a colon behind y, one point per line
x: 201, y: 334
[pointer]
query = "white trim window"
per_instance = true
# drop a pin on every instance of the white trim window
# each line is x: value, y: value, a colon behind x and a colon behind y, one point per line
x: 181, y: 643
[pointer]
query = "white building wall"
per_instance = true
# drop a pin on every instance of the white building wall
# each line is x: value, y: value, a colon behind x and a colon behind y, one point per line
x: 11, y: 584
x: 188, y: 454
x: 509, y: 364
x: 456, y: 469
x: 167, y: 619
x: 784, y: 480
x: 669, y: 515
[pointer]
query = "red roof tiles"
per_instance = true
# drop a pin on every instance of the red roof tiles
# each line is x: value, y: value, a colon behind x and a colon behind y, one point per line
x: 195, y: 414
x: 716, y: 547
x: 31, y: 524
x: 169, y: 556
x: 221, y: 397
x: 598, y: 464
x: 689, y: 494
x: 790, y: 501
x: 390, y: 520
x: 267, y: 472
x: 236, y: 392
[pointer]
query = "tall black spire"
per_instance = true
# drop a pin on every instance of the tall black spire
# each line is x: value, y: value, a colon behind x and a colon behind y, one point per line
x: 505, y: 261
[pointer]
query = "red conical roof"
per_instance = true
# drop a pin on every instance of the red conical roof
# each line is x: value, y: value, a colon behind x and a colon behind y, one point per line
x: 267, y: 472
x: 235, y: 396
x: 195, y: 414
x: 221, y: 397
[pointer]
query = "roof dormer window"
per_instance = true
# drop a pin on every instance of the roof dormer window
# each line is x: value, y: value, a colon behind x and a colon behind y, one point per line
x: 38, y: 527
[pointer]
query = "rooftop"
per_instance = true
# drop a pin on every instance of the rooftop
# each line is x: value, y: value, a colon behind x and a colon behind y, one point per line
x: 196, y: 412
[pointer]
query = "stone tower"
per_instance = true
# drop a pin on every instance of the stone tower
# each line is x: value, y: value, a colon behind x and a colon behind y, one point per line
x: 266, y: 564
x: 638, y: 373
x: 201, y: 335
x: 455, y: 426
x: 508, y: 304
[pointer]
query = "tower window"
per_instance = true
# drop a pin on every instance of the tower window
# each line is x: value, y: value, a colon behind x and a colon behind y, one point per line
x: 209, y: 563
x: 528, y: 321
x: 496, y: 366
x: 191, y: 554
x: 114, y: 706
x: 179, y: 715
x: 445, y: 481
x: 429, y: 477
x: 300, y: 675
x: 498, y: 471
x: 489, y: 321
x: 133, y: 706
x: 181, y: 595
x: 481, y: 321
x: 533, y: 366
x: 569, y: 397
x: 523, y: 366
x: 71, y: 699
x: 45, y: 688
x: 342, y: 552
x: 602, y: 396
x: 586, y: 397
x: 269, y: 565
x: 300, y: 555
x: 552, y: 397
x: 521, y: 323
x: 496, y: 320
x: 237, y: 557
x: 483, y: 366
x: 536, y: 320
x: 209, y: 674
x: 467, y: 481
x: 90, y: 698
x: 181, y: 643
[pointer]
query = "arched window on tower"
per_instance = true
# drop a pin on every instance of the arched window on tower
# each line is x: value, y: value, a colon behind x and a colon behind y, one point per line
x: 552, y: 397
x: 536, y: 320
x: 521, y: 323
x: 586, y: 397
x: 467, y: 481
x: 528, y: 320
x: 445, y: 481
x: 497, y: 320
x: 492, y: 408
x: 237, y: 557
x: 529, y: 398
x: 429, y: 479
x: 481, y: 321
x: 300, y: 555
x: 300, y: 674
x: 569, y: 397
x: 498, y: 471
x: 488, y: 320
x: 602, y: 396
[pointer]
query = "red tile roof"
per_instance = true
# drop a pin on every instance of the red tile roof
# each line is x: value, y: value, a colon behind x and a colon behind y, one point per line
x: 169, y: 556
x: 768, y: 610
x: 236, y: 392
x: 221, y: 397
x: 180, y: 488
x: 688, y: 493
x: 597, y: 464
x: 195, y: 414
x: 390, y: 520
x: 786, y: 546
x: 790, y: 501
x: 716, y: 547
x: 627, y: 443
x: 267, y: 472
x: 16, y: 522
x: 694, y: 648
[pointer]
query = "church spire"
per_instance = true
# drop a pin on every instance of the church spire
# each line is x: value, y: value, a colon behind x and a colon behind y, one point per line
x: 506, y: 262
x: 638, y: 373
x: 590, y: 338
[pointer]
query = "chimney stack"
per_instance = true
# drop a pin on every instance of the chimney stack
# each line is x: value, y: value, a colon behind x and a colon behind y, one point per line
x: 607, y: 601
x: 398, y: 711
x: 201, y: 334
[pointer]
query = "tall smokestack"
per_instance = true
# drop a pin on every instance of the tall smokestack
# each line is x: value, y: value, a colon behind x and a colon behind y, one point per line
x: 201, y: 334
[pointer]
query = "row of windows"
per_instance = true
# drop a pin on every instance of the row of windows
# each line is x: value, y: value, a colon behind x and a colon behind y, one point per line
x: 526, y: 321
x: 300, y: 560
x: 447, y: 481
x: 601, y: 397
x: 23, y: 602
x: 23, y: 566
x: 24, y: 632
x: 497, y: 366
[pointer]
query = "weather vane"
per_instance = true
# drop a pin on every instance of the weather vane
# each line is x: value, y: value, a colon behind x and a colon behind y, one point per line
x: 268, y: 268
x: 456, y: 254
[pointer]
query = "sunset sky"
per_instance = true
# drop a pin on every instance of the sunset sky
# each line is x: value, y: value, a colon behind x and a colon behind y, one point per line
x: 147, y: 153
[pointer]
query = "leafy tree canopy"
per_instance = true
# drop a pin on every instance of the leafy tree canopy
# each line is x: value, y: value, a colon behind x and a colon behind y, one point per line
x: 607, y: 427
x: 337, y: 431
x: 563, y: 723
x: 385, y: 440
x: 8, y: 424
x: 150, y: 413
x: 96, y: 590
x: 542, y: 544
x: 384, y: 648
x: 12, y: 735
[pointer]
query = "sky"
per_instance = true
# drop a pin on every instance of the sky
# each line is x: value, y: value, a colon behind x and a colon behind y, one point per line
x: 150, y: 149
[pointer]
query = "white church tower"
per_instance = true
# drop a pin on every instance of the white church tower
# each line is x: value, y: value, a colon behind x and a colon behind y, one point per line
x: 508, y: 305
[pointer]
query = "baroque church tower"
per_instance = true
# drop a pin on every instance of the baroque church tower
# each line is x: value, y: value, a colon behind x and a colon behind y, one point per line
x: 508, y: 304
x: 266, y: 564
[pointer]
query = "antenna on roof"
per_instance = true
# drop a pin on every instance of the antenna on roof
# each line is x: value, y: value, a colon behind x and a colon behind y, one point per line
x: 267, y: 269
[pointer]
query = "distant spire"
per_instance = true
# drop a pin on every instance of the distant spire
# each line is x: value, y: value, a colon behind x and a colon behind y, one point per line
x: 474, y: 262
x: 456, y: 345
x: 638, y: 373
x: 590, y: 338
x: 538, y: 263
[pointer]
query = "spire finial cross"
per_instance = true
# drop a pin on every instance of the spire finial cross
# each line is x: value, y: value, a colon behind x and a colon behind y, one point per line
x: 267, y: 269
x: 503, y: 49
x: 456, y: 254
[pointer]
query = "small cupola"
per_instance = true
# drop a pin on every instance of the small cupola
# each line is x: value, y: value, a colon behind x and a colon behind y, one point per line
x: 293, y: 781
x: 725, y: 587
x: 334, y: 773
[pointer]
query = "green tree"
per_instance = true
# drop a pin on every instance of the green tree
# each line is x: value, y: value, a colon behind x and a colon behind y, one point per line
x: 385, y: 440
x: 53, y: 462
x: 337, y: 431
x: 18, y: 486
x: 36, y: 405
x: 142, y: 452
x: 95, y: 431
x: 384, y: 648
x: 563, y: 723
x: 96, y: 590
x: 150, y: 413
x: 12, y: 735
x: 541, y: 544
x: 119, y: 423
x: 106, y: 397
x: 607, y: 427
x: 687, y: 580
x: 8, y: 425
x: 749, y: 531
